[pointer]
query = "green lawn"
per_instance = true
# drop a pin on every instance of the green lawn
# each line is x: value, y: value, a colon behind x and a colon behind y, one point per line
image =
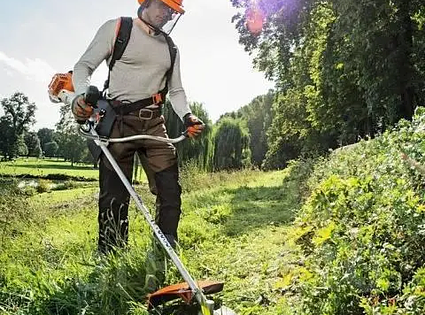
x: 45, y: 167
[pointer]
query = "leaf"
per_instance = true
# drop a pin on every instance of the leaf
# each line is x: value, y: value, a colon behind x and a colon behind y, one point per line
x: 323, y: 234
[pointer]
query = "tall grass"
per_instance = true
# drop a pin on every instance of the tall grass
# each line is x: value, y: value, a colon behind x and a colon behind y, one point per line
x: 51, y: 266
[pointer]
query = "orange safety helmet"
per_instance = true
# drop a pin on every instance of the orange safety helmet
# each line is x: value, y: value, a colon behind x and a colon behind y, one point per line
x: 176, y: 5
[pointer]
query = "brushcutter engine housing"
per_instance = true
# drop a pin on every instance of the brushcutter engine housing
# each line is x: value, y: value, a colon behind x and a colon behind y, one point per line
x: 61, y: 89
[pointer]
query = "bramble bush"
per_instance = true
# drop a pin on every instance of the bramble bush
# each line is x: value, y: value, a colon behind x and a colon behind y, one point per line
x: 360, y: 234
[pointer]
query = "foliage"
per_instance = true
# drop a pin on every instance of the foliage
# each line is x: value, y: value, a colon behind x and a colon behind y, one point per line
x: 33, y: 144
x: 344, y: 70
x: 51, y: 149
x: 43, y: 186
x: 45, y: 136
x: 258, y: 116
x: 21, y: 147
x: 15, y: 211
x: 335, y: 235
x: 231, y: 144
x: 18, y: 117
x: 360, y: 232
x: 6, y: 141
x: 197, y: 150
x: 71, y: 145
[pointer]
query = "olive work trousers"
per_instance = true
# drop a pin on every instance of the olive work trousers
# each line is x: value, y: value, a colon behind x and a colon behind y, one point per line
x: 159, y: 161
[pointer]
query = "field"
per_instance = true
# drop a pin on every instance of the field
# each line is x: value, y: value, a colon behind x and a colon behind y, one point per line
x: 341, y: 235
x: 56, y: 250
x: 47, y: 167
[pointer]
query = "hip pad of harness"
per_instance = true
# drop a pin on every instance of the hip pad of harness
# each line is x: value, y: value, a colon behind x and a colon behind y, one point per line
x: 103, y: 128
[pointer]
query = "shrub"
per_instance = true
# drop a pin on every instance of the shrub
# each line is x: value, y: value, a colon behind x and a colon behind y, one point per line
x: 43, y: 186
x: 360, y: 232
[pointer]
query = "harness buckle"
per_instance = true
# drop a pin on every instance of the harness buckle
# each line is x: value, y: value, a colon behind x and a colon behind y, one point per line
x: 157, y: 99
x: 145, y: 110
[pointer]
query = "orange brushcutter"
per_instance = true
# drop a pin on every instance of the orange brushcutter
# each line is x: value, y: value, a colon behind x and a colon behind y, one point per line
x: 61, y: 91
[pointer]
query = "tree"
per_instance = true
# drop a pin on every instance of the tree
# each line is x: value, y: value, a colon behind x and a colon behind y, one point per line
x: 33, y: 144
x: 344, y: 70
x: 51, y: 149
x: 6, y: 139
x: 71, y: 145
x: 199, y: 149
x: 45, y: 135
x: 380, y: 48
x: 18, y: 117
x: 21, y: 147
x: 258, y: 116
x: 231, y: 144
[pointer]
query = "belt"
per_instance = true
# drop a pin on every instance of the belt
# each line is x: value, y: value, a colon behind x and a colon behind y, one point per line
x: 123, y: 108
x: 147, y: 113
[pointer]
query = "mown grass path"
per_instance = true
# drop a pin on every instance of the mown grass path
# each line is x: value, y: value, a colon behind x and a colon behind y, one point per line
x: 247, y: 222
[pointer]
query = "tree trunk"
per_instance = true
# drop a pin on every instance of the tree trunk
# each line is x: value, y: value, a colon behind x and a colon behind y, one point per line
x: 404, y: 62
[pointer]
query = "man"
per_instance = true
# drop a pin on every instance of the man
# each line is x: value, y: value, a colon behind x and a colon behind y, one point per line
x: 142, y: 75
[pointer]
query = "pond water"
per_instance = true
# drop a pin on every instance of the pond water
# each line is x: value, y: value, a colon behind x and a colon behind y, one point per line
x: 35, y: 183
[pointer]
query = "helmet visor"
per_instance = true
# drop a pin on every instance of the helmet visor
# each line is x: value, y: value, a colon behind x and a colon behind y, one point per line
x: 170, y: 23
x: 161, y: 16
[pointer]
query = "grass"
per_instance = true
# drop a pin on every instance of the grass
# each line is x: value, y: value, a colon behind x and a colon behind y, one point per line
x: 46, y: 167
x: 247, y: 221
x: 337, y: 235
x: 231, y: 230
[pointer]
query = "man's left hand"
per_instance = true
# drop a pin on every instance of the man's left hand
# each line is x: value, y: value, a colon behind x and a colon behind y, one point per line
x: 193, y: 124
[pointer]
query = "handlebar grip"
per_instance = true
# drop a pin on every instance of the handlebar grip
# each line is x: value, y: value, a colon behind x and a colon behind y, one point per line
x: 92, y: 96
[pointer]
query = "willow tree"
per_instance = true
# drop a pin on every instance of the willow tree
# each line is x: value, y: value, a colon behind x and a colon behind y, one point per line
x: 197, y: 150
x: 231, y: 144
x: 258, y: 116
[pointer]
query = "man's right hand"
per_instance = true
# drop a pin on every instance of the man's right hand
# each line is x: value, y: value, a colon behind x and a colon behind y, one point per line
x: 193, y: 124
x: 80, y: 109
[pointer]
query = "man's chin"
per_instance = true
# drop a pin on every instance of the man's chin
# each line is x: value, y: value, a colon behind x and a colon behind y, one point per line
x: 159, y: 25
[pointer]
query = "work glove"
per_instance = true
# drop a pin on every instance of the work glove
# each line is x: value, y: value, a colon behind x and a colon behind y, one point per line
x: 81, y: 110
x: 193, y: 125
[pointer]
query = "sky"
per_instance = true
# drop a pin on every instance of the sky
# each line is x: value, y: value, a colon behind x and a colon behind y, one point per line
x: 44, y: 37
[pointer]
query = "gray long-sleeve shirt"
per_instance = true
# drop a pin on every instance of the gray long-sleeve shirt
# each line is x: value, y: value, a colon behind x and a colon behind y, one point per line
x: 140, y: 73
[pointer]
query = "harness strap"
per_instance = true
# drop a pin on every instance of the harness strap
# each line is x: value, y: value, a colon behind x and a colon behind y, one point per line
x: 122, y: 36
x: 122, y: 108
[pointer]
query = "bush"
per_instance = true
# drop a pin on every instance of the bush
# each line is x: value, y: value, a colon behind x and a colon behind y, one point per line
x: 68, y: 184
x: 360, y: 232
x: 43, y: 186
